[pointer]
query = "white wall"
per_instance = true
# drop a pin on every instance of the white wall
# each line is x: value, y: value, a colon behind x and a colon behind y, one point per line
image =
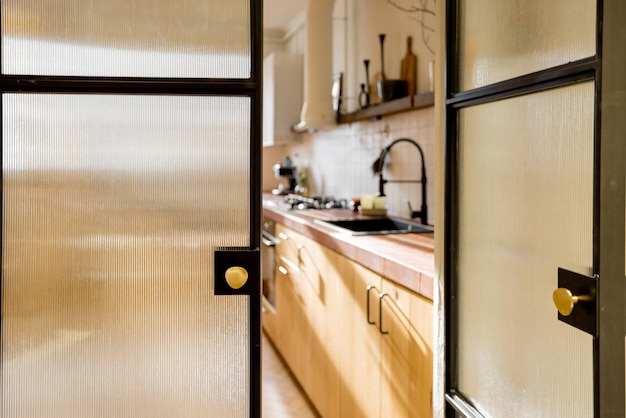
x: 339, y: 160
x: 369, y: 18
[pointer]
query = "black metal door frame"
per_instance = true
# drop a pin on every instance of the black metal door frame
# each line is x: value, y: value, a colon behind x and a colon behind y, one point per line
x: 250, y: 87
x: 607, y: 72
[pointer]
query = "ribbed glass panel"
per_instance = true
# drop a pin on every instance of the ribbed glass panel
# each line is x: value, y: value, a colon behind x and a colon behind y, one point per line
x: 112, y: 206
x: 506, y: 39
x: 525, y: 209
x: 142, y: 38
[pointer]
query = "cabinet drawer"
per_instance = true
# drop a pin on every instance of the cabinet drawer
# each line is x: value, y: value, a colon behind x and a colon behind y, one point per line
x: 302, y: 257
x: 406, y: 352
x: 288, y: 242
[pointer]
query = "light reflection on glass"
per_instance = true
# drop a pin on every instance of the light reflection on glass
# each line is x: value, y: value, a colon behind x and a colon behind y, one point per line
x: 185, y: 38
x: 112, y: 206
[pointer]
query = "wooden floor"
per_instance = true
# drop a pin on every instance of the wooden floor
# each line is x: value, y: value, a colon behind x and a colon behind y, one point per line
x: 282, y: 397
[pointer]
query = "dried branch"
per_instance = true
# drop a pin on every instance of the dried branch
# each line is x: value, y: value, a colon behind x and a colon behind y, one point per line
x: 422, y: 11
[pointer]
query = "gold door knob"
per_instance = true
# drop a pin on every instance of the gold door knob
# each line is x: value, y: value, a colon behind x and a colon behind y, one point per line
x: 236, y: 277
x: 564, y: 300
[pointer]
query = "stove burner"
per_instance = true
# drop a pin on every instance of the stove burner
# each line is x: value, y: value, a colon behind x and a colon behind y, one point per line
x: 294, y: 201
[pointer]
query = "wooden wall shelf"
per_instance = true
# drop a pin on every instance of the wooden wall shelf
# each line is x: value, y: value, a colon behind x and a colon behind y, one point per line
x: 376, y: 112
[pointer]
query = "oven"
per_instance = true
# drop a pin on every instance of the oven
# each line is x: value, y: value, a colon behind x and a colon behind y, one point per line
x: 268, y: 261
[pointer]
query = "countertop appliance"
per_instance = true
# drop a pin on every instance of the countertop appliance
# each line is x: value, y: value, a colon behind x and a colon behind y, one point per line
x: 289, y: 172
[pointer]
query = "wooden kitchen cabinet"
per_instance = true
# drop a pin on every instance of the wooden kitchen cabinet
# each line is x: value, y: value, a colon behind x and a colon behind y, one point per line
x: 299, y: 327
x: 321, y: 376
x: 406, y: 352
x: 292, y: 329
x: 360, y: 341
x: 270, y: 322
x: 388, y: 364
x: 335, y: 347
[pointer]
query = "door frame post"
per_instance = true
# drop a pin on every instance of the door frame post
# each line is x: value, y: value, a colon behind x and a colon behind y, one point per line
x: 609, y: 347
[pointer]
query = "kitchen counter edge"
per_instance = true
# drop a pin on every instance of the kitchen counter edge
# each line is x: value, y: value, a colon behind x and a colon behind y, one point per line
x: 406, y: 259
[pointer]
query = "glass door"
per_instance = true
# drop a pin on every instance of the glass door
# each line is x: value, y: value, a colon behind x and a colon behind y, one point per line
x: 517, y: 225
x: 535, y: 183
x: 130, y: 155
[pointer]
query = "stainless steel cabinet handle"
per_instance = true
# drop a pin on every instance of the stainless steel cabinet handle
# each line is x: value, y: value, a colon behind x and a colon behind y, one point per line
x: 268, y: 239
x: 370, y: 287
x: 380, y: 313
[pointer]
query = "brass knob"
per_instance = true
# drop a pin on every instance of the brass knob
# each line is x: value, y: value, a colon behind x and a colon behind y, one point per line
x: 564, y: 300
x: 236, y: 277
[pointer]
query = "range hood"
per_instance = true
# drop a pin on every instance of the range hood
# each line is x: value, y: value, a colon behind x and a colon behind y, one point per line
x: 317, y: 110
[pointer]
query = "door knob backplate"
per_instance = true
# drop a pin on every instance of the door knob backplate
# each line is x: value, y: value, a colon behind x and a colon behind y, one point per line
x: 575, y: 300
x: 237, y: 271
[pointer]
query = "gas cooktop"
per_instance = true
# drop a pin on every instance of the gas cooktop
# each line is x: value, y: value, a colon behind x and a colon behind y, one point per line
x: 295, y: 201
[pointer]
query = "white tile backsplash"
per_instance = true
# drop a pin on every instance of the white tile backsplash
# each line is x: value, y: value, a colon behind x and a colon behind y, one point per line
x: 339, y: 160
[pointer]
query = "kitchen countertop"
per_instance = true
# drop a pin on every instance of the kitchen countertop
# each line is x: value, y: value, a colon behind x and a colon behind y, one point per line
x: 407, y: 259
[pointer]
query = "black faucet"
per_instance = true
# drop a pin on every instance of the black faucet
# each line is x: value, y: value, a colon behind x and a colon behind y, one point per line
x: 378, y: 168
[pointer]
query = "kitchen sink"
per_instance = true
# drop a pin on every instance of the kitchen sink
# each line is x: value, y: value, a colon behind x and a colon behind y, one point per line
x: 377, y: 226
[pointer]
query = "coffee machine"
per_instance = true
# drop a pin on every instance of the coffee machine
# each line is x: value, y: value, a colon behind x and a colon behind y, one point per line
x: 287, y: 170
